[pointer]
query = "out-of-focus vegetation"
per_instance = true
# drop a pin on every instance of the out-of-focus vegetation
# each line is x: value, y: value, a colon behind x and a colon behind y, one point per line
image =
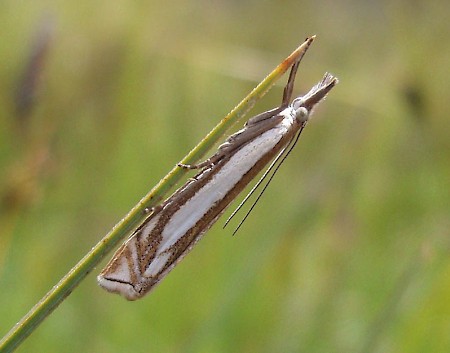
x: 348, y: 251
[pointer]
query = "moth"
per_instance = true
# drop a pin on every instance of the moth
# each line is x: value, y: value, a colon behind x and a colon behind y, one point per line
x: 178, y: 223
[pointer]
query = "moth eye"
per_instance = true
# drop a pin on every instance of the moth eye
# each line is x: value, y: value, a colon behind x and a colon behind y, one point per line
x: 302, y: 114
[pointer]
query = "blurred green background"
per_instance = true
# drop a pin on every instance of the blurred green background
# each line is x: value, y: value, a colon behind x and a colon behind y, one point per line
x: 348, y: 250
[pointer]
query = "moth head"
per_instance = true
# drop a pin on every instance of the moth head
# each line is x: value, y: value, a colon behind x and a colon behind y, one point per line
x: 301, y: 112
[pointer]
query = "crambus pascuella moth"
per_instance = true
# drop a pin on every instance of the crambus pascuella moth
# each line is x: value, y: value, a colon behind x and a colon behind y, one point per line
x: 175, y: 226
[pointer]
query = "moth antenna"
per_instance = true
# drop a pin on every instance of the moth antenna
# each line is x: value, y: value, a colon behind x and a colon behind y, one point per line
x: 250, y: 193
x: 270, y: 179
x: 281, y: 158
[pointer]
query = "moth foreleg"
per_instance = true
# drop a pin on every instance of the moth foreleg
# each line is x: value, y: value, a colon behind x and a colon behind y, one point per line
x: 289, y: 88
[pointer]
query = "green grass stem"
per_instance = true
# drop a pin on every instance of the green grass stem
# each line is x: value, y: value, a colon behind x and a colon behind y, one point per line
x: 136, y: 216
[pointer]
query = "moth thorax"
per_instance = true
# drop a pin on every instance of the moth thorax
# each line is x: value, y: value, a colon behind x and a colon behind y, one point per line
x: 301, y: 114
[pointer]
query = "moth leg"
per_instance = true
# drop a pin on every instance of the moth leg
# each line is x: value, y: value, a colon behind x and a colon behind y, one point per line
x: 223, y: 151
x: 287, y: 95
x: 264, y: 116
x: 203, y: 164
x: 289, y: 88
